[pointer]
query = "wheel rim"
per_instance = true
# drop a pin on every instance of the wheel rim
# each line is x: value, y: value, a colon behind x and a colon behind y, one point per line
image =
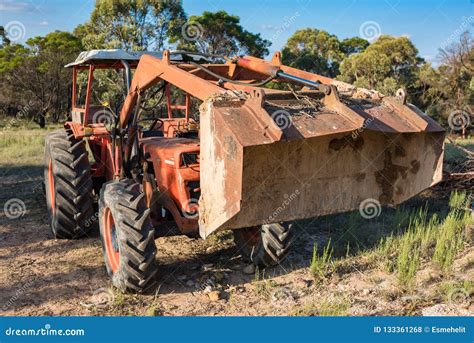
x: 110, y: 240
x: 251, y: 235
x: 52, y: 195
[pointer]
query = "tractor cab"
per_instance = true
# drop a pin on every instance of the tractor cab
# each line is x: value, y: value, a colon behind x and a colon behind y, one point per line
x: 96, y: 105
x: 96, y: 101
x: 163, y: 125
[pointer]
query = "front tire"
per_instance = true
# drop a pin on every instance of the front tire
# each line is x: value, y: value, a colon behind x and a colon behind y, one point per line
x: 127, y: 236
x: 68, y: 185
x: 266, y: 245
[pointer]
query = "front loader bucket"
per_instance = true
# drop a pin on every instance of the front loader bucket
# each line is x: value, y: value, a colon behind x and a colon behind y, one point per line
x: 269, y: 159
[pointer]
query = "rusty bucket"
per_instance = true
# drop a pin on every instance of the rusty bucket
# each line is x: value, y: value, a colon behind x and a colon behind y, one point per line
x: 276, y: 156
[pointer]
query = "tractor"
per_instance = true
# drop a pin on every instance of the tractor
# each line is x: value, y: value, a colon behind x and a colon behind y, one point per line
x: 202, y: 143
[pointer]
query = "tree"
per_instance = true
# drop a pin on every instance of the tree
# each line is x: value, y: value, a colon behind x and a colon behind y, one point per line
x: 354, y: 45
x: 450, y: 87
x: 4, y: 40
x: 457, y: 71
x: 11, y: 56
x: 386, y: 65
x: 220, y: 33
x: 34, y: 75
x: 132, y: 25
x: 316, y: 51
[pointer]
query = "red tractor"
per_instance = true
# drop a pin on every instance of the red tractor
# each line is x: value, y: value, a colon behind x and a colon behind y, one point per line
x: 244, y: 161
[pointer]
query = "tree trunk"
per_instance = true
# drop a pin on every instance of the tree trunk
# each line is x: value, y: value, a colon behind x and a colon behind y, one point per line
x: 42, y: 120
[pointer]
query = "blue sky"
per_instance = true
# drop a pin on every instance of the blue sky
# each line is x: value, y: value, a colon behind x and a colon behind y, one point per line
x: 430, y: 24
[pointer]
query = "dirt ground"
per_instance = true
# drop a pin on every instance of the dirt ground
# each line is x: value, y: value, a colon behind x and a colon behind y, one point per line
x: 40, y: 275
x: 44, y: 276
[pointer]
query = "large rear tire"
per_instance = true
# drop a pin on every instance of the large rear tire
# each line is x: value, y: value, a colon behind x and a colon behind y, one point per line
x: 68, y: 185
x: 265, y: 245
x: 127, y: 236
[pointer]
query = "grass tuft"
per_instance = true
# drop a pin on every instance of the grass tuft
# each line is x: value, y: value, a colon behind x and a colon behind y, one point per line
x: 408, y: 259
x: 336, y: 307
x: 450, y: 239
x: 263, y: 286
x: 320, y: 265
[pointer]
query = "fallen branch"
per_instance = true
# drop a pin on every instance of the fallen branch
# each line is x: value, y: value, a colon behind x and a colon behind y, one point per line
x: 468, y: 174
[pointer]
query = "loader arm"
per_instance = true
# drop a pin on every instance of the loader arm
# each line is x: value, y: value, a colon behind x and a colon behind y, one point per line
x: 151, y: 70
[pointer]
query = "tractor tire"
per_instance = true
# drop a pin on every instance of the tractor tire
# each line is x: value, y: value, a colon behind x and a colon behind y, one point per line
x: 68, y: 185
x: 266, y: 245
x: 127, y: 235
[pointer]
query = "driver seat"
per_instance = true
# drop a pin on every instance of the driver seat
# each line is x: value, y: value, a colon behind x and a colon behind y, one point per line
x: 147, y: 134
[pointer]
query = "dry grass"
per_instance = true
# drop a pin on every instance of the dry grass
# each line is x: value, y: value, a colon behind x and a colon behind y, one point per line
x: 23, y: 146
x: 337, y: 305
x: 263, y: 286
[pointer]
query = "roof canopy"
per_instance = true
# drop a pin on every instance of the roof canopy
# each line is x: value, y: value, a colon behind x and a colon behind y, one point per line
x: 109, y: 57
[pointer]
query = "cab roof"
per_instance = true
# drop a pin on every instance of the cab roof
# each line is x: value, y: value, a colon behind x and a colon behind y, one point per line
x: 112, y: 57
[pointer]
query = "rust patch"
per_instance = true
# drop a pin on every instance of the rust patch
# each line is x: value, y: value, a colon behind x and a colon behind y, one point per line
x: 298, y: 152
x: 337, y: 144
x: 387, y: 176
x: 400, y: 151
x: 415, y: 166
x: 360, y: 177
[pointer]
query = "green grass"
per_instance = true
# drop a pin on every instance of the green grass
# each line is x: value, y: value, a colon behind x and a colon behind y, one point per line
x: 321, y: 263
x: 408, y: 259
x: 427, y: 239
x: 450, y: 239
x: 458, y: 200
